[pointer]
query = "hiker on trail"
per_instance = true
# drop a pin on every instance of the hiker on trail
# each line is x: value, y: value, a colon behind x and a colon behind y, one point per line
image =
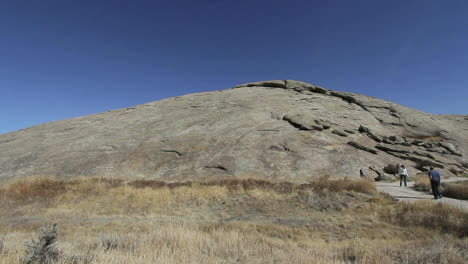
x: 434, y: 176
x: 361, y: 173
x: 403, y: 174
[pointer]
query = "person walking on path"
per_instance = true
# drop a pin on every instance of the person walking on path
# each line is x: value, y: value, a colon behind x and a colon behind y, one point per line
x: 361, y: 173
x: 403, y: 174
x: 434, y: 176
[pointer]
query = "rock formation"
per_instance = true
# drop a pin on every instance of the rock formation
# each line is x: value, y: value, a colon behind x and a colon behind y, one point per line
x: 280, y: 129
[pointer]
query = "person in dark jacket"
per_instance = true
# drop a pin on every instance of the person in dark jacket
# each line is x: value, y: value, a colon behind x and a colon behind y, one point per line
x: 434, y: 176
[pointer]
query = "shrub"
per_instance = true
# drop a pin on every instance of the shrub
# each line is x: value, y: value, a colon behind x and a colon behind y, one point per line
x: 422, y: 183
x: 458, y: 190
x: 43, y: 251
x: 392, y: 168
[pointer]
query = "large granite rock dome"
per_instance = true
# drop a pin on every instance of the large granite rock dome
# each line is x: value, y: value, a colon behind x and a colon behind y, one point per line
x: 280, y: 129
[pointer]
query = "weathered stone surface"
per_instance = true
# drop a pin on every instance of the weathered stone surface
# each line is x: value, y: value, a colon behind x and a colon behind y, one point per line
x: 363, y: 129
x: 385, y: 177
x: 299, y: 86
x: 324, y: 123
x: 418, y: 142
x: 272, y: 83
x: 397, y: 139
x: 362, y: 147
x: 270, y: 128
x: 449, y: 146
x: 387, y: 141
x: 380, y: 175
x: 393, y: 148
x: 340, y: 133
x: 423, y: 154
x: 349, y: 131
x: 302, y: 122
x: 438, y: 150
x: 431, y: 144
x: 374, y: 136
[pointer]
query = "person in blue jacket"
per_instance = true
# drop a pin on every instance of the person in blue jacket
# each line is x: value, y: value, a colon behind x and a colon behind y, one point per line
x: 434, y: 176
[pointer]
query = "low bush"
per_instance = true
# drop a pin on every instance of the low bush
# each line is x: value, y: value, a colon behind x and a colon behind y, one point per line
x: 422, y: 183
x: 458, y: 190
x: 43, y: 250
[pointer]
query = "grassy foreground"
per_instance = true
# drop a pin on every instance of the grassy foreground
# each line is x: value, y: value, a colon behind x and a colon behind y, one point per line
x: 102, y: 220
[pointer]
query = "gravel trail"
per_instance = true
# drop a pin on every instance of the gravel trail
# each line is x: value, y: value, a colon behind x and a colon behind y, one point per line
x: 409, y: 194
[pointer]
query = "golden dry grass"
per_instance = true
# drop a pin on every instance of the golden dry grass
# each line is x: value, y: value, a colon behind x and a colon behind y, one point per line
x: 240, y: 243
x: 327, y: 220
x: 458, y: 190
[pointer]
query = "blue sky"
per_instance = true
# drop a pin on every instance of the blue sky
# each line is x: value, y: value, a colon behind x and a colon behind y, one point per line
x: 62, y: 59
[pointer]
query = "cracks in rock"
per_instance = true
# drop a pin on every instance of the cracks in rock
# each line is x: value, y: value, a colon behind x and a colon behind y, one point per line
x: 374, y: 169
x: 393, y: 112
x: 269, y: 130
x: 281, y: 147
x: 218, y: 167
x: 305, y: 88
x: 295, y: 124
x: 267, y: 84
x: 362, y: 147
x: 171, y: 151
x: 350, y: 99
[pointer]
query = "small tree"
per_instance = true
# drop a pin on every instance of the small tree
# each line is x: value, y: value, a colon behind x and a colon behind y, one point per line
x: 43, y: 250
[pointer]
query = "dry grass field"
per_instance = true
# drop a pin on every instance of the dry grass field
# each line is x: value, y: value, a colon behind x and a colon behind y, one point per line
x: 103, y: 220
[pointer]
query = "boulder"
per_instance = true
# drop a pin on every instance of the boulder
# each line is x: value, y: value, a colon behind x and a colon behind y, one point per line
x: 449, y: 146
x: 396, y: 139
x: 349, y: 131
x: 423, y: 154
x: 324, y: 123
x: 363, y: 129
x: 270, y: 129
x: 387, y: 141
x: 302, y: 121
x: 374, y: 136
x: 418, y: 142
x: 438, y: 150
x: 340, y: 133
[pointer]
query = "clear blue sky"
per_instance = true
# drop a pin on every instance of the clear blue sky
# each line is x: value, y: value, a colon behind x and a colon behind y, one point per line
x: 64, y: 58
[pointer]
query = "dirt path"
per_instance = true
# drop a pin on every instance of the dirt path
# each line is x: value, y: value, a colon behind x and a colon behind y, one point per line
x: 409, y: 194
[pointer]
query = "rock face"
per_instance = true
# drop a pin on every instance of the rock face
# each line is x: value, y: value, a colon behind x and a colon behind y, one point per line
x: 281, y: 129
